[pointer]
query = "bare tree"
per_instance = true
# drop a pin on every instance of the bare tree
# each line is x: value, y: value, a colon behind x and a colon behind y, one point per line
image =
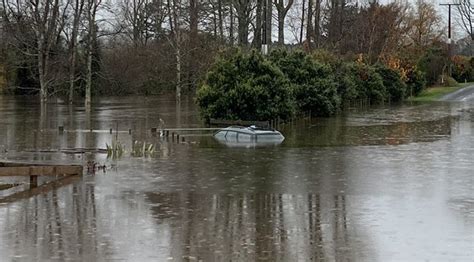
x: 175, y: 17
x: 309, y: 24
x: 268, y: 22
x: 466, y: 11
x: 46, y: 19
x: 425, y: 25
x: 259, y: 16
x: 244, y: 10
x: 282, y: 10
x: 92, y: 7
x: 78, y: 8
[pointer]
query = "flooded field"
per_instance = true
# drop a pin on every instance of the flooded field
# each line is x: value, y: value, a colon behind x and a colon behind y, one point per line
x: 383, y: 184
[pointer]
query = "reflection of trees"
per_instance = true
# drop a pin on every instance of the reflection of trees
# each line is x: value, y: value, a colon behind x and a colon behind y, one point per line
x: 61, y: 224
x: 332, y: 132
x: 340, y: 236
x: 246, y: 227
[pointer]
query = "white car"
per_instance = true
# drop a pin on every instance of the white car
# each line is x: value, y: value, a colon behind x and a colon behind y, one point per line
x: 239, y: 136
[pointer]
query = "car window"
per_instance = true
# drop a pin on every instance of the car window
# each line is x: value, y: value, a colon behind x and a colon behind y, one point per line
x: 244, y: 137
x: 221, y: 134
x: 231, y: 135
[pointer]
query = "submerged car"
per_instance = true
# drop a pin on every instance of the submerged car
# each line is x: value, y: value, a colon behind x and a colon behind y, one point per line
x: 252, y: 136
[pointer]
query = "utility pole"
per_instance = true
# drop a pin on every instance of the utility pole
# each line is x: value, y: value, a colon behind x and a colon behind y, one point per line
x: 450, y: 41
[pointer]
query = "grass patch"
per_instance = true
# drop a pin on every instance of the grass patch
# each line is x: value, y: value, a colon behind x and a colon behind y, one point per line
x: 436, y: 92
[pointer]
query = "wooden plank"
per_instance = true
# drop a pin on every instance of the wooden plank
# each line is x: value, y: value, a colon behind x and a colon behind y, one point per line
x: 40, y: 170
x: 45, y: 188
x: 193, y: 129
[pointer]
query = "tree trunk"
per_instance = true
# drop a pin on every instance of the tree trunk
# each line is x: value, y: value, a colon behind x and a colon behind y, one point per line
x: 193, y: 23
x: 178, y: 73
x: 309, y: 25
x: 176, y: 34
x: 317, y: 20
x: 243, y: 21
x: 221, y: 22
x: 88, y: 97
x: 282, y: 11
x: 268, y: 23
x: 231, y: 24
x: 79, y: 4
x: 302, y: 22
x: 257, y: 40
x: 93, y: 5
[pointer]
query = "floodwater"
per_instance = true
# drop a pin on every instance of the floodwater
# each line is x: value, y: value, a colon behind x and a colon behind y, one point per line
x: 382, y: 184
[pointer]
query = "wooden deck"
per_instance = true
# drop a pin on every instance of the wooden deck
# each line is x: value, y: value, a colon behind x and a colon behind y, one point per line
x: 40, y: 170
x: 33, y: 171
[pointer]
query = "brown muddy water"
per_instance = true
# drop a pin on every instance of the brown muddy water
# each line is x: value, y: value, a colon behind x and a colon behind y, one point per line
x: 382, y: 184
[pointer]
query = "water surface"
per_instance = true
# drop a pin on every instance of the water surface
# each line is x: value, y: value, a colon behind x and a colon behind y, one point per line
x: 393, y: 183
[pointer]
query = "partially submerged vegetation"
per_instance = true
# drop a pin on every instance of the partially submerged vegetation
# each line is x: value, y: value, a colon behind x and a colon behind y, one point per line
x: 253, y: 87
x: 139, y: 149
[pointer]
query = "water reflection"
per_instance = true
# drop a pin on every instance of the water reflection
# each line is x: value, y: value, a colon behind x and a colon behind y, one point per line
x: 250, y: 227
x: 385, y: 183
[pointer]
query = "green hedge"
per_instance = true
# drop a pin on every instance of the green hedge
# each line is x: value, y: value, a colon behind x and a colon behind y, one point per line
x: 245, y: 86
x: 252, y: 87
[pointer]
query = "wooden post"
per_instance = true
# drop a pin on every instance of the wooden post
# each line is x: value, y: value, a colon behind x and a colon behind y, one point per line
x: 177, y: 138
x: 33, y: 181
x: 111, y: 130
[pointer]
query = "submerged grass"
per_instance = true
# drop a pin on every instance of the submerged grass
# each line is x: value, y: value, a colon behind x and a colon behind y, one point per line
x: 436, y: 92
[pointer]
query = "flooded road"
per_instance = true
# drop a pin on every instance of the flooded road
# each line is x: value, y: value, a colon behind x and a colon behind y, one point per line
x: 382, y: 184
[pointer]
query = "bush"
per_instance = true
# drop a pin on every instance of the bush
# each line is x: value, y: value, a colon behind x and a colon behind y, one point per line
x: 368, y: 83
x: 245, y: 86
x: 393, y: 83
x: 347, y: 79
x: 463, y: 68
x: 251, y: 87
x: 432, y: 64
x: 415, y: 82
x: 313, y: 84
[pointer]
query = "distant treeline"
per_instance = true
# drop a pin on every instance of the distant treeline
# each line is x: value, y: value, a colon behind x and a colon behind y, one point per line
x: 67, y: 47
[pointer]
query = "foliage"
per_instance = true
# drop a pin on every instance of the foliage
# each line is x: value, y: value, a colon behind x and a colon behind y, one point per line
x: 115, y: 150
x: 415, y: 81
x: 392, y: 80
x: 448, y: 81
x: 251, y: 87
x: 245, y: 86
x: 313, y: 84
x: 142, y: 149
x: 463, y: 68
x: 369, y: 84
x: 433, y: 63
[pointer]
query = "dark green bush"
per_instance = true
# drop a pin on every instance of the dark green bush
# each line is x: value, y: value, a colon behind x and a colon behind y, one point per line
x: 396, y: 88
x: 346, y: 80
x: 368, y: 82
x: 415, y: 82
x: 245, y: 86
x: 432, y: 64
x: 253, y: 87
x: 313, y: 84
